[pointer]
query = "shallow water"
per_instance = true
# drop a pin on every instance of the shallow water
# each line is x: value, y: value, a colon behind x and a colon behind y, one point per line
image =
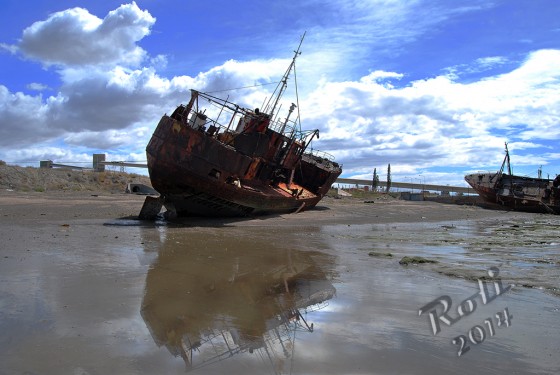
x: 211, y: 297
x: 528, y: 252
x: 245, y: 298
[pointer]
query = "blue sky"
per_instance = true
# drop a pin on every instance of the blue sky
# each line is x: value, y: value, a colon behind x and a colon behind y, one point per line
x: 433, y: 87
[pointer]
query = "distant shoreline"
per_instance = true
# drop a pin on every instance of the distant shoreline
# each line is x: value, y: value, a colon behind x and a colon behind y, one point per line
x: 28, y: 179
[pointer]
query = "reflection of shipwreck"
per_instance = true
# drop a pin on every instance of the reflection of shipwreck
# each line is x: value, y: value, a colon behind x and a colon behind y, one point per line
x: 207, y: 311
x: 517, y: 192
x: 213, y: 157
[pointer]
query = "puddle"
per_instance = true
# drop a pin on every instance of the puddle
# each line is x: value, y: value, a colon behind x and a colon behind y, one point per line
x: 273, y: 297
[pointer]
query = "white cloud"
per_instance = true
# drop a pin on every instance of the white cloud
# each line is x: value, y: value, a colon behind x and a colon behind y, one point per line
x: 380, y: 75
x: 133, y: 138
x: 489, y: 62
x: 352, y: 33
x: 23, y: 119
x: 9, y: 48
x: 75, y: 37
x: 37, y: 86
x: 482, y: 64
x: 436, y: 122
x: 46, y: 152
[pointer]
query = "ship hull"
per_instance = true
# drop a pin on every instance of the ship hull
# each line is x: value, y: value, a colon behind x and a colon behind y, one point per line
x: 518, y: 193
x: 191, y: 170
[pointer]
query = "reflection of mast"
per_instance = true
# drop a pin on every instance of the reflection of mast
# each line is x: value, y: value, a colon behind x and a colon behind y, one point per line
x: 275, y: 343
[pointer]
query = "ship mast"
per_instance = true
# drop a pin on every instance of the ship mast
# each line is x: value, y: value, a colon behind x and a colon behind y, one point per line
x: 279, y: 90
x: 506, y: 162
x: 501, y: 173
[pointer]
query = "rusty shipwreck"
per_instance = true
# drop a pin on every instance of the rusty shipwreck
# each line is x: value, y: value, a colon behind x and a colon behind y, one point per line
x: 212, y: 157
x: 520, y: 193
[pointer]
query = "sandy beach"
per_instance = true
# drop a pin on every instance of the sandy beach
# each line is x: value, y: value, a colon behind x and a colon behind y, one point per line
x: 87, y: 289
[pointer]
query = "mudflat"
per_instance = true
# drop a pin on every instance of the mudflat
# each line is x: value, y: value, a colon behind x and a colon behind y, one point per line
x: 87, y: 289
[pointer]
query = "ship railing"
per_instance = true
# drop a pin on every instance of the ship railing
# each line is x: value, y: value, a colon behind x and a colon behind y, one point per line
x: 214, y: 127
x: 322, y: 158
x: 486, y: 172
x: 285, y: 126
x: 227, y: 116
x: 224, y: 118
x: 320, y: 154
x: 278, y: 126
x: 316, y: 307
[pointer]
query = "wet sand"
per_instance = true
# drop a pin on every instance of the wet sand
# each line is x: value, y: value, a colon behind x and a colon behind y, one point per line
x: 85, y: 289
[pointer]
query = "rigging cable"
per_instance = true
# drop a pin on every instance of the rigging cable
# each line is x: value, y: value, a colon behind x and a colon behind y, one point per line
x: 244, y: 87
x: 297, y: 98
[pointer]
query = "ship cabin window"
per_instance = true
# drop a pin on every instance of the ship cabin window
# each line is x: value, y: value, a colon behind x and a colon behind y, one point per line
x: 211, y: 130
x: 215, y: 173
